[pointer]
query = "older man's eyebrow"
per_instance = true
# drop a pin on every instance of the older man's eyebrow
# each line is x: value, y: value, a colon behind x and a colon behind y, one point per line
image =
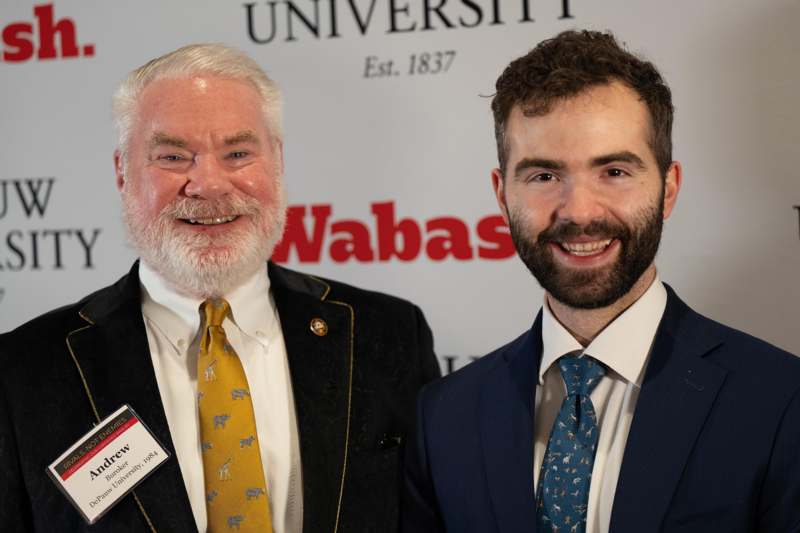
x: 163, y: 139
x: 619, y: 157
x: 242, y: 137
x: 538, y: 162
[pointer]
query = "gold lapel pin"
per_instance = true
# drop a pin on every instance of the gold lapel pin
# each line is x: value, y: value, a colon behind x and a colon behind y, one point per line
x: 318, y: 327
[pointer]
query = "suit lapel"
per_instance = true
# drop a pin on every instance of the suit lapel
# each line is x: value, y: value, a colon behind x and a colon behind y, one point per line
x: 113, y: 358
x: 506, y: 425
x: 321, y: 367
x: 677, y: 394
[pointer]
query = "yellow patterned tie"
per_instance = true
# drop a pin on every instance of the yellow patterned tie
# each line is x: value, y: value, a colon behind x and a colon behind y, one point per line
x: 236, y: 492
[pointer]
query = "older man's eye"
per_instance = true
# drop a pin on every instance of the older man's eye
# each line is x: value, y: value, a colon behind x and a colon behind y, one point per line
x: 238, y: 155
x: 170, y: 158
x: 172, y: 161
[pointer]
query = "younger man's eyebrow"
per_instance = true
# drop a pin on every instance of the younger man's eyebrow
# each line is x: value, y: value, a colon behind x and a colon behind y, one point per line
x: 621, y: 157
x: 537, y: 162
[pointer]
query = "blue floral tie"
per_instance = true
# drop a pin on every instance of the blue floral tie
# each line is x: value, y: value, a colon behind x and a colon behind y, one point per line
x: 566, y: 472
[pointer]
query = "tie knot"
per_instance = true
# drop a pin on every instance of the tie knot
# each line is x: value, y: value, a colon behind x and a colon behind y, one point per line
x: 215, y: 311
x: 581, y: 374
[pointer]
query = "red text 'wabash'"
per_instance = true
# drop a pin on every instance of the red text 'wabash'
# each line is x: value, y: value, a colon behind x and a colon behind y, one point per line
x: 312, y: 235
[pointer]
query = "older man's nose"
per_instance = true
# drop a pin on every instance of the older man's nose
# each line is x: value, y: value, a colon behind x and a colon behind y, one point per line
x: 207, y: 179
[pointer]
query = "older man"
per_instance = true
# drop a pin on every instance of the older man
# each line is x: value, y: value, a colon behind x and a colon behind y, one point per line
x: 283, y: 399
x: 621, y: 409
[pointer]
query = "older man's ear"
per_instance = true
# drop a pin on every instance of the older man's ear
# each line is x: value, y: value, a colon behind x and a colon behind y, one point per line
x: 119, y: 166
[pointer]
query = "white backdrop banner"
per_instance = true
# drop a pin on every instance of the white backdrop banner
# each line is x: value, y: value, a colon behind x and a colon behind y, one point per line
x: 389, y: 145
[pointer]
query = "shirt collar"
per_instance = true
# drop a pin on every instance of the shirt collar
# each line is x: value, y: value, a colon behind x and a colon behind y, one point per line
x: 623, y: 346
x: 178, y: 316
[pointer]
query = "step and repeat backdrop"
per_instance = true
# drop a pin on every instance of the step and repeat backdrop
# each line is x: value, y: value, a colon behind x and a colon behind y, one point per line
x: 389, y: 146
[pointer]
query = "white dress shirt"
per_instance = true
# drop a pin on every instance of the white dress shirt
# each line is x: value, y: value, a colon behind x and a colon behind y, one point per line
x: 624, y: 347
x: 173, y: 322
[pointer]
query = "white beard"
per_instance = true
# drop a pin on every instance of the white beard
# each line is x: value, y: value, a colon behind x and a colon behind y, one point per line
x: 196, y: 264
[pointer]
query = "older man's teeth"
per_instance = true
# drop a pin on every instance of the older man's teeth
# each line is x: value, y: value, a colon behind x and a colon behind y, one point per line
x: 585, y: 248
x: 212, y: 221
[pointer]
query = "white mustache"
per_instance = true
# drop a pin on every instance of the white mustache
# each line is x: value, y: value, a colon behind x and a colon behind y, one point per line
x: 188, y: 208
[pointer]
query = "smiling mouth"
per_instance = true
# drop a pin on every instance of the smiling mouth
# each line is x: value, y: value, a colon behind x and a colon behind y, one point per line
x: 582, y: 249
x: 210, y: 221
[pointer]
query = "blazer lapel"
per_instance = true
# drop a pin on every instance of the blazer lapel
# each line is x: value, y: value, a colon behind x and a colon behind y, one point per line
x: 112, y: 355
x: 321, y: 367
x: 677, y: 394
x: 506, y: 425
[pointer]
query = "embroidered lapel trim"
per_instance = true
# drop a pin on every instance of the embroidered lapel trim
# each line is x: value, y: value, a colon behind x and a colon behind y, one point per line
x: 349, y: 395
x: 78, y: 365
x: 94, y: 406
x: 320, y: 512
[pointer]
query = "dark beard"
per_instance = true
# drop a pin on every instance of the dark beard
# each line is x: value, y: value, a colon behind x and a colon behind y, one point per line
x: 601, y: 287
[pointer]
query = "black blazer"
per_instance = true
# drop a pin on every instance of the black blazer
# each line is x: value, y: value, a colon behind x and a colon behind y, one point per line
x: 714, y: 445
x: 354, y: 391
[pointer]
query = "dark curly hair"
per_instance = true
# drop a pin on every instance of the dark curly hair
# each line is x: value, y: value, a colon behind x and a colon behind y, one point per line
x: 570, y: 63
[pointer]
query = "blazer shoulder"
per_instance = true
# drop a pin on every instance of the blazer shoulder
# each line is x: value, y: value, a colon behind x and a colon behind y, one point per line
x: 60, y: 320
x: 465, y: 382
x: 749, y: 358
x: 57, y: 324
x: 759, y: 358
x: 32, y: 344
x: 348, y: 292
x: 332, y: 290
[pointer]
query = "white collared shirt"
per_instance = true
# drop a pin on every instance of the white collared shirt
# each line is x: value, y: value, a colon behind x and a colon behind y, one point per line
x: 624, y: 348
x: 172, y: 322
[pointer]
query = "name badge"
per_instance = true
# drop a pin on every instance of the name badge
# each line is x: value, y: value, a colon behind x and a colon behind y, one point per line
x: 107, y: 463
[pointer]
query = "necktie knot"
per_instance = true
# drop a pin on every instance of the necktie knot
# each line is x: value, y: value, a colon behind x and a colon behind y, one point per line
x: 581, y: 374
x: 215, y: 310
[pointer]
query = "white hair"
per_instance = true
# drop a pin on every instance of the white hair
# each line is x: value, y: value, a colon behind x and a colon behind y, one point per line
x: 215, y: 59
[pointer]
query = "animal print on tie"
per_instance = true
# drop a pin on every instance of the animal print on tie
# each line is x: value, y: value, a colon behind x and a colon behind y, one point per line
x: 566, y: 473
x: 236, y: 491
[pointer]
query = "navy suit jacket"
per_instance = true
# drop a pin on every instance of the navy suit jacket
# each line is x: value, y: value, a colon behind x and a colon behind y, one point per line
x: 714, y: 445
x: 354, y: 392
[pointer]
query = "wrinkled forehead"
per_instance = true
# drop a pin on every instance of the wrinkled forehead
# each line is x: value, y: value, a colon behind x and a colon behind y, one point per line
x: 200, y: 105
x: 200, y: 91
